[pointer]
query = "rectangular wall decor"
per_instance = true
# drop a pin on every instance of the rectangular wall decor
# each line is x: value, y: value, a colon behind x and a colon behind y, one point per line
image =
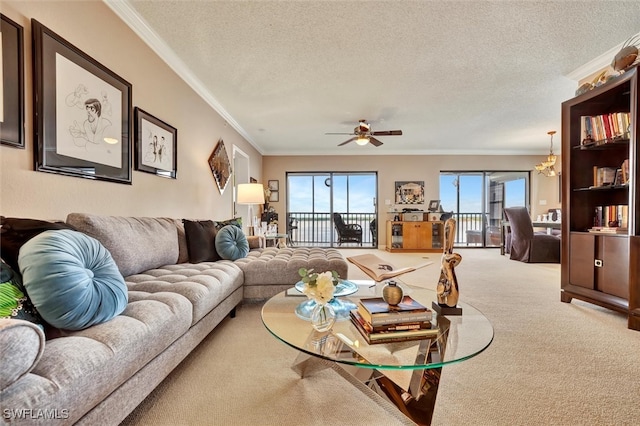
x: 82, y: 112
x: 156, y: 145
x: 409, y: 192
x: 11, y: 83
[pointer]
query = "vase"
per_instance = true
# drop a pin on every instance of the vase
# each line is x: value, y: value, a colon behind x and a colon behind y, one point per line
x: 392, y: 294
x: 322, y: 317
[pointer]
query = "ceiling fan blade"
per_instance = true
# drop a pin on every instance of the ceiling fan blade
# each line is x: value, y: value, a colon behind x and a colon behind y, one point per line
x: 387, y: 133
x: 374, y: 141
x: 339, y: 133
x: 347, y: 141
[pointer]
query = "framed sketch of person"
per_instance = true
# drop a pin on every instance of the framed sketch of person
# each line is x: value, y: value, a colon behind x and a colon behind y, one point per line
x: 82, y: 112
x: 11, y: 83
x: 155, y: 145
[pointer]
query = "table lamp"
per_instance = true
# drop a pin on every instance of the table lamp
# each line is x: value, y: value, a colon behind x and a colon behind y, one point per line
x: 250, y: 193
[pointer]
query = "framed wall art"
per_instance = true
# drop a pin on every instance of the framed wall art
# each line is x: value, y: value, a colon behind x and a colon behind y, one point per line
x: 274, y: 197
x: 82, y: 112
x: 11, y: 83
x: 273, y: 185
x: 220, y: 166
x: 156, y: 145
x: 409, y: 192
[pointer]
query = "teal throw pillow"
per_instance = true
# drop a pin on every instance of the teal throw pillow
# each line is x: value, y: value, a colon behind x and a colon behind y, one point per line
x: 231, y: 243
x: 71, y: 279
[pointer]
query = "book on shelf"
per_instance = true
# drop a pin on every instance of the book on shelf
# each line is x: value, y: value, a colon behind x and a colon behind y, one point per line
x: 613, y: 216
x: 403, y: 326
x: 392, y: 336
x: 380, y: 270
x: 604, y: 128
x: 609, y: 230
x: 603, y: 176
x: 376, y: 311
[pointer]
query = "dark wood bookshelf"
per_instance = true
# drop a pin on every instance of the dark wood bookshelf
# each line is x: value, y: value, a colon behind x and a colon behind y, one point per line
x: 599, y: 267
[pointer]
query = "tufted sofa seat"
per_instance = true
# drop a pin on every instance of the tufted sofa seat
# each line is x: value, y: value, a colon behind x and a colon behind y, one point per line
x: 271, y: 270
x: 98, y: 375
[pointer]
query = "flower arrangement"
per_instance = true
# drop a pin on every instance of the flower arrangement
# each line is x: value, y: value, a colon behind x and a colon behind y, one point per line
x: 319, y: 286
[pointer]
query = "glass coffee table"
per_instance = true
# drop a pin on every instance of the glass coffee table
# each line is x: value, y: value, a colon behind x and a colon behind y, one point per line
x: 405, y: 373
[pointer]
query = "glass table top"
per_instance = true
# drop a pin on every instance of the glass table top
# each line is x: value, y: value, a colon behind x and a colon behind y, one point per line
x: 459, y: 337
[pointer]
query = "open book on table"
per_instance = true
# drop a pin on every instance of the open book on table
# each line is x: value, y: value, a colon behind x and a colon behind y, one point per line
x: 379, y: 269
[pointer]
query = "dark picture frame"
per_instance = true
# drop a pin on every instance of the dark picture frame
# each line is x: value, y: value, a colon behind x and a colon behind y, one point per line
x: 220, y: 166
x: 434, y: 205
x: 273, y: 185
x: 274, y: 197
x: 82, y: 112
x: 12, y: 83
x: 409, y: 192
x: 156, y: 145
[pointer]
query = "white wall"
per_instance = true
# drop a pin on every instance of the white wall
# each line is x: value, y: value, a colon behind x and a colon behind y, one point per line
x: 97, y: 31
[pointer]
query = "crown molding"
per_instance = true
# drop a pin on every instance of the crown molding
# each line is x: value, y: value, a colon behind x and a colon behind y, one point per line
x: 129, y: 16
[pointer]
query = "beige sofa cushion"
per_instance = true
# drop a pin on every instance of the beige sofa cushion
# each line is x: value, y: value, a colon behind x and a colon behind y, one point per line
x: 135, y: 243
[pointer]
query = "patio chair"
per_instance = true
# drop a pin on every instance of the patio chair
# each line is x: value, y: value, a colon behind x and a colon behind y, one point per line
x: 347, y: 233
x: 373, y: 228
x: 527, y: 246
x: 291, y: 225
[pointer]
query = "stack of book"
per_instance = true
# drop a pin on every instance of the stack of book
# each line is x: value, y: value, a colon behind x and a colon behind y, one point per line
x: 379, y: 322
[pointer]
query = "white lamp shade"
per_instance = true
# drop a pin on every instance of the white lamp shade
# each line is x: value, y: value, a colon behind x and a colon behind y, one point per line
x: 250, y: 193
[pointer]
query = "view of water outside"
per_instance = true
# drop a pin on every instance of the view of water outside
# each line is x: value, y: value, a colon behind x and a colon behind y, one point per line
x: 310, y: 200
x: 353, y: 193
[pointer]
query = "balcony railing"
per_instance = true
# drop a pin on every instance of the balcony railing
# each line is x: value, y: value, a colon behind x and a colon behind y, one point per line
x: 310, y: 229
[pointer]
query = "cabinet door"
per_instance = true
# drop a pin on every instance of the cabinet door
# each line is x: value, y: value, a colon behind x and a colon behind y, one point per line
x: 581, y: 260
x: 613, y: 276
x: 416, y: 235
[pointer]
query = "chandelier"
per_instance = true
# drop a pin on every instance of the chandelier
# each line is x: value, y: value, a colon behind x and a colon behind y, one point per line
x: 547, y: 168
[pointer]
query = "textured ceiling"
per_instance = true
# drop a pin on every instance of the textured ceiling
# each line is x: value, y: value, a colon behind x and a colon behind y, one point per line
x: 472, y: 77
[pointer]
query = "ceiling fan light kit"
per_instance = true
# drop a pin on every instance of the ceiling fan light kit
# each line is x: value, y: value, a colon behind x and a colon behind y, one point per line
x: 363, y: 135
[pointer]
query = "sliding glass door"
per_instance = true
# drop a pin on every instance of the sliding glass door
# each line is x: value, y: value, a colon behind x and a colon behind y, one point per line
x: 313, y: 198
x: 478, y: 199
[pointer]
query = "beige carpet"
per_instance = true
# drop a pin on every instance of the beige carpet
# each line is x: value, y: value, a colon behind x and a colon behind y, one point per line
x: 551, y: 363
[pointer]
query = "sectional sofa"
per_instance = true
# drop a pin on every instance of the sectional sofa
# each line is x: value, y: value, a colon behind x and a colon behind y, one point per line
x: 99, y: 374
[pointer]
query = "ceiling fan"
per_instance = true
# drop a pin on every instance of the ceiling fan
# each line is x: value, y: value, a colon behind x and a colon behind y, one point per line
x: 363, y: 135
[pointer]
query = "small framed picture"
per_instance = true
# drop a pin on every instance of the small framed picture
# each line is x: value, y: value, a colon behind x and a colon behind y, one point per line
x: 273, y: 185
x: 11, y: 83
x: 434, y: 205
x: 156, y: 145
x: 618, y: 178
x: 273, y: 197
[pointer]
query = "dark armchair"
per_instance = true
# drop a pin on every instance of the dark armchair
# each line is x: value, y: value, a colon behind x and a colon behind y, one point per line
x: 527, y: 246
x: 347, y: 233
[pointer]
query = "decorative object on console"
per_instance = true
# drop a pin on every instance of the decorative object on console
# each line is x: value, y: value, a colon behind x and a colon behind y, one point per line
x: 220, y: 166
x: 409, y: 192
x: 392, y: 293
x: 156, y: 145
x: 82, y: 112
x: 447, y: 288
x: 434, y: 205
x: 547, y: 167
x: 12, y: 84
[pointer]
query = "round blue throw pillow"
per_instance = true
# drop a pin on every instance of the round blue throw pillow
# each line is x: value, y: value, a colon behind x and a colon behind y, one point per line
x: 71, y: 279
x: 231, y: 243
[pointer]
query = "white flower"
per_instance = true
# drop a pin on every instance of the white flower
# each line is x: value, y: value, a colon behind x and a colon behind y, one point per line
x: 319, y: 286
